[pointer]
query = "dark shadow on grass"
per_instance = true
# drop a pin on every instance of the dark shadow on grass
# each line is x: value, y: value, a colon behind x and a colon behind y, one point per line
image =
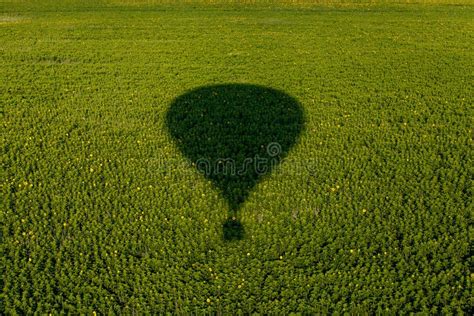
x: 234, y: 134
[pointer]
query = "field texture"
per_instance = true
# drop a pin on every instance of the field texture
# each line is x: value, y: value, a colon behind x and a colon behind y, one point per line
x: 361, y: 114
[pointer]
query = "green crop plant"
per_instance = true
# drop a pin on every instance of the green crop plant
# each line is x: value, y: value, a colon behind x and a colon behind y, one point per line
x: 104, y: 210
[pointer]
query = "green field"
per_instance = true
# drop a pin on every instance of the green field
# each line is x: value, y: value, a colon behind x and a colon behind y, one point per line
x: 107, y: 106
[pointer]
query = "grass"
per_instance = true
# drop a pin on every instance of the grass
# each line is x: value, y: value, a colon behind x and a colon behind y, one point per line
x: 369, y: 209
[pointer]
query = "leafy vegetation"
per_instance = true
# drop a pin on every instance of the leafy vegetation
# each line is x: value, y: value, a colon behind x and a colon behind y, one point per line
x: 370, y: 205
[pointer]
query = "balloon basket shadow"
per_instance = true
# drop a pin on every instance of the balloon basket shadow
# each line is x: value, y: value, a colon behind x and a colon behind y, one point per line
x: 233, y: 229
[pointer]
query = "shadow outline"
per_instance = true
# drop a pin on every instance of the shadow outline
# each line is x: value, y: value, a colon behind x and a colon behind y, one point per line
x: 235, y: 134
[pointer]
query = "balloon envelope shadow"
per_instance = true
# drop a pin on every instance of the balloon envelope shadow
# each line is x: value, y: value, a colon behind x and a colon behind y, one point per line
x: 234, y: 134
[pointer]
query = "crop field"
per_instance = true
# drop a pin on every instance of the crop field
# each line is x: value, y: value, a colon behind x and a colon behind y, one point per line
x: 235, y: 157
